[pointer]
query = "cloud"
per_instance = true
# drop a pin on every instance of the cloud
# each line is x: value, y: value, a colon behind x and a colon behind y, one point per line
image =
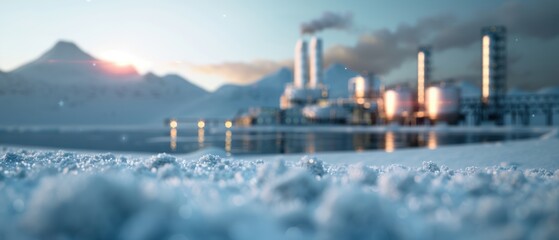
x: 379, y: 52
x: 328, y: 20
x: 384, y: 50
x: 241, y: 72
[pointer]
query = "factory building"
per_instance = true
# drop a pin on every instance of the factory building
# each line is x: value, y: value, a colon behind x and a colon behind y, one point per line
x: 368, y: 102
x: 306, y: 99
x: 307, y: 88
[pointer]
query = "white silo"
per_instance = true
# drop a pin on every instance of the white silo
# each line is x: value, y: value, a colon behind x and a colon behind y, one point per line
x: 316, y: 62
x: 300, y: 70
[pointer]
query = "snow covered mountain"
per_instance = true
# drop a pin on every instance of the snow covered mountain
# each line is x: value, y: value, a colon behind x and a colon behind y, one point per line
x: 66, y: 85
x: 66, y: 63
x: 336, y: 77
x: 228, y: 100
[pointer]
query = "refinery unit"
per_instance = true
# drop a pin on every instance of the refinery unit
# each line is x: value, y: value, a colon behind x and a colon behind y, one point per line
x: 307, y: 101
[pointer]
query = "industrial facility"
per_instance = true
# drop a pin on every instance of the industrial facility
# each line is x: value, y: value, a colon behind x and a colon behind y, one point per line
x: 306, y: 100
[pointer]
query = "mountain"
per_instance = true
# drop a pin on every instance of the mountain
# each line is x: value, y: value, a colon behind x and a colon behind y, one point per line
x: 66, y: 63
x: 228, y: 100
x: 66, y: 85
x: 336, y: 77
x: 549, y: 91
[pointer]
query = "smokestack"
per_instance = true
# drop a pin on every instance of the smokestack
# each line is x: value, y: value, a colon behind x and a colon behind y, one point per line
x: 315, y: 62
x: 494, y: 64
x: 328, y: 20
x: 423, y: 73
x: 300, y: 70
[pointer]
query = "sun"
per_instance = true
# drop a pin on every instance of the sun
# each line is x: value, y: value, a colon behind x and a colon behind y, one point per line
x: 122, y: 59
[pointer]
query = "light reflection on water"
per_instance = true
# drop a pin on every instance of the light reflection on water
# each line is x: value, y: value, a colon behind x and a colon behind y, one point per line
x: 389, y: 142
x: 247, y: 142
x: 432, y: 140
x: 173, y: 139
x: 239, y: 142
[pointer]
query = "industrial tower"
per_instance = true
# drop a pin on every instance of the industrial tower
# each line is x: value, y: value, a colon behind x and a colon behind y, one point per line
x: 494, y: 72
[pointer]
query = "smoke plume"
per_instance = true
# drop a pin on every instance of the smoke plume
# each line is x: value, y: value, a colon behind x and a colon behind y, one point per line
x: 328, y: 20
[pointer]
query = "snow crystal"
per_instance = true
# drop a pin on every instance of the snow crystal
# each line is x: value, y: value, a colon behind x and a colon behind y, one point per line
x: 64, y: 195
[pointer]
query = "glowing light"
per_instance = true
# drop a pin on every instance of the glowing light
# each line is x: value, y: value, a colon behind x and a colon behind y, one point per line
x: 123, y: 59
x: 311, y: 140
x: 228, y: 124
x: 420, y: 78
x: 228, y: 137
x: 360, y: 87
x: 201, y: 135
x: 432, y: 140
x: 201, y: 124
x: 173, y: 124
x: 389, y: 142
x: 433, y: 102
x: 485, y: 67
x: 173, y: 136
x: 391, y: 103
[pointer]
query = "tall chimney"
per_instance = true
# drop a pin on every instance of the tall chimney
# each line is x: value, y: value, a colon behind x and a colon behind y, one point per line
x: 315, y: 62
x: 300, y: 70
x: 423, y: 73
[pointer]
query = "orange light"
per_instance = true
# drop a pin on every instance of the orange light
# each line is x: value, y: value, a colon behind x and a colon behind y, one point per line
x: 485, y: 67
x: 173, y: 136
x: 173, y: 124
x: 201, y: 135
x: 420, y: 78
x: 432, y: 140
x: 391, y: 103
x: 389, y: 142
x: 201, y: 124
x: 360, y: 87
x: 228, y: 137
x: 433, y: 101
x: 228, y: 124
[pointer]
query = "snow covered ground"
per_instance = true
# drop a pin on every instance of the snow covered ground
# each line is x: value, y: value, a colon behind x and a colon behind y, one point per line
x: 506, y: 190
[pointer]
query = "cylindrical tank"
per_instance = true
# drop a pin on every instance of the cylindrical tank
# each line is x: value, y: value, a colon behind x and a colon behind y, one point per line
x: 442, y: 102
x: 398, y: 103
x: 364, y: 87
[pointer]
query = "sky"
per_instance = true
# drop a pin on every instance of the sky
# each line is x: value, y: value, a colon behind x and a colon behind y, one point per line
x: 213, y: 42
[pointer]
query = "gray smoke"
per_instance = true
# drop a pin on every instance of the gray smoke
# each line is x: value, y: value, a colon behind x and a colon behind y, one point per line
x: 385, y: 50
x: 328, y: 20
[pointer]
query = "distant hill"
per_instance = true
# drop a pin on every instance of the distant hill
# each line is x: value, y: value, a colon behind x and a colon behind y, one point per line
x: 227, y: 100
x: 66, y: 85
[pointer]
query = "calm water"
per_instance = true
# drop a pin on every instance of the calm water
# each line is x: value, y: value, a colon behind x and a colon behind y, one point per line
x: 245, y: 142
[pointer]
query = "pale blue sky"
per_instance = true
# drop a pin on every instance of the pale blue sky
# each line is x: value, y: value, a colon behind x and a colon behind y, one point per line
x: 164, y: 32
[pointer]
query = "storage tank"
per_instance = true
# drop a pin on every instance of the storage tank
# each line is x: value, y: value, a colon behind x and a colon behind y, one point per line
x: 442, y: 103
x: 364, y: 87
x: 398, y: 103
